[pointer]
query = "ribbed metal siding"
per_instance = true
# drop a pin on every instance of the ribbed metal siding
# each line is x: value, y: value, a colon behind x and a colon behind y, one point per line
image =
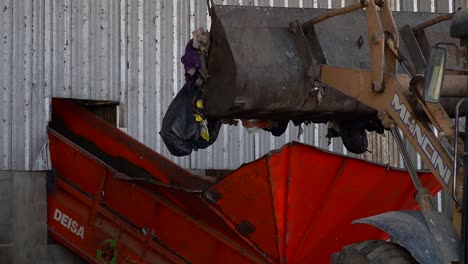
x: 127, y: 51
x: 23, y: 106
x: 83, y: 43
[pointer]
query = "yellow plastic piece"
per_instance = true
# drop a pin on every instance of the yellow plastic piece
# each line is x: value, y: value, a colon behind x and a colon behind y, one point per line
x: 199, y: 104
x: 205, y: 135
x: 198, y: 118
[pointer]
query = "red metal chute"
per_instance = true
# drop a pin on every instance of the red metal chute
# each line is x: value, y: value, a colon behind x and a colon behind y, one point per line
x: 294, y: 205
x: 302, y: 200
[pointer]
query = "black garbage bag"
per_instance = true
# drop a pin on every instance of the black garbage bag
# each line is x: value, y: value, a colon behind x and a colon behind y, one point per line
x: 353, y: 134
x: 180, y: 131
x: 278, y: 128
x: 355, y: 139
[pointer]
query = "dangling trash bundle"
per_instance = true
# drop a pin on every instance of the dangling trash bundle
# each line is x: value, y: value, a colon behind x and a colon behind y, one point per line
x: 183, y: 129
x: 185, y: 126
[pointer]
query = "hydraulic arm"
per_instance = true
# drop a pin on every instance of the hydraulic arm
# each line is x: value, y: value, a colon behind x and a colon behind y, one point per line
x: 380, y: 89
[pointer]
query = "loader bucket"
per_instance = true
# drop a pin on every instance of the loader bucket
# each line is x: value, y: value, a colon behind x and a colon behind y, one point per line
x: 257, y: 71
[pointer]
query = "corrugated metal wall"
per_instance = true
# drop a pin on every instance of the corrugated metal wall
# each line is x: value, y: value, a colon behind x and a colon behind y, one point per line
x: 128, y: 51
x: 23, y: 86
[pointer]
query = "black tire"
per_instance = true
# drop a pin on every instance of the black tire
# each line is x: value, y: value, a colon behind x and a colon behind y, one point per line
x: 373, y: 252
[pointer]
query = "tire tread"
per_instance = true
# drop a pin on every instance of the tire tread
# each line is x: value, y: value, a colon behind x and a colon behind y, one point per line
x: 373, y: 252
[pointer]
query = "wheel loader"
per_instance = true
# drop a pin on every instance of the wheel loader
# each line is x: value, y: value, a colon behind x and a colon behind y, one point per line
x: 366, y: 64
